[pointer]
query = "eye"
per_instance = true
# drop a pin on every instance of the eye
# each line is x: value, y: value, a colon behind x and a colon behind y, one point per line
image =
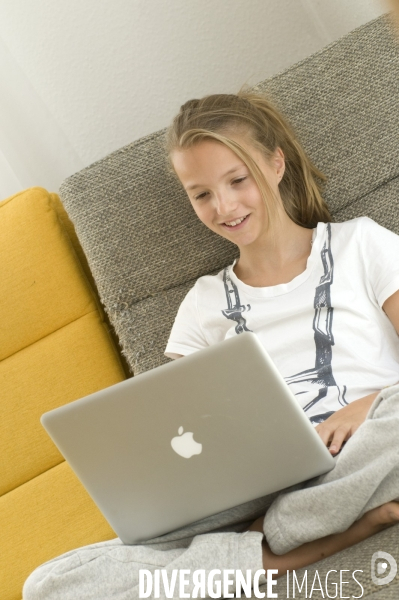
x: 200, y: 196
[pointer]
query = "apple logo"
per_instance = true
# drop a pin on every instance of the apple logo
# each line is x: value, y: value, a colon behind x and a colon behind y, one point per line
x: 185, y: 445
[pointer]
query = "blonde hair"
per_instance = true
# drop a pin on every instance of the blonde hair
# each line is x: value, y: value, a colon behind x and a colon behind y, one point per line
x: 253, y: 118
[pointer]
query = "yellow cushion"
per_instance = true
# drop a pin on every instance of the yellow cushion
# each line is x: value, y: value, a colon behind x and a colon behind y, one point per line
x: 44, y: 518
x: 43, y: 287
x: 70, y: 230
x: 70, y: 363
x: 55, y: 347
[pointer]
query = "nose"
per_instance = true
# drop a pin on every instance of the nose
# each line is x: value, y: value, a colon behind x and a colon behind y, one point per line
x: 225, y: 203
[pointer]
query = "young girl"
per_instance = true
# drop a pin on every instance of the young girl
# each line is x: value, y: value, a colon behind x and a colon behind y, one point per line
x: 323, y: 299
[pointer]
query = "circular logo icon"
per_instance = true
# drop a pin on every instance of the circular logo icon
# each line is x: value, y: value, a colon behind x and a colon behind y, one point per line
x: 381, y: 563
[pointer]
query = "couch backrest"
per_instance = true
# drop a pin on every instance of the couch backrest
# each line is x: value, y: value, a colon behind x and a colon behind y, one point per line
x: 143, y: 242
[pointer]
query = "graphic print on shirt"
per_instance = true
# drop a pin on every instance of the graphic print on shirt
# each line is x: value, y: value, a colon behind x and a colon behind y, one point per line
x: 234, y: 312
x: 322, y: 374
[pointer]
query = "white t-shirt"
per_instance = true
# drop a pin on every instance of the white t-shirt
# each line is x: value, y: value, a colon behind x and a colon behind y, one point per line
x: 325, y: 330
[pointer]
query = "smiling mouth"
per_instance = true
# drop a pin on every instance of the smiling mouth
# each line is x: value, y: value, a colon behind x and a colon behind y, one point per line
x: 236, y: 222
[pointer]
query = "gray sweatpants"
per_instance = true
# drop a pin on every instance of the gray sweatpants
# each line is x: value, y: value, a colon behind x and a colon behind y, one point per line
x: 366, y: 475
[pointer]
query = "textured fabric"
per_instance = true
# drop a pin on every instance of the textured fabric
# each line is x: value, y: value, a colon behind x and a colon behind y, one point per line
x: 47, y: 516
x: 72, y: 362
x: 381, y: 204
x: 366, y: 474
x: 55, y: 347
x: 136, y: 225
x: 37, y: 263
x: 53, y: 339
x: 325, y: 330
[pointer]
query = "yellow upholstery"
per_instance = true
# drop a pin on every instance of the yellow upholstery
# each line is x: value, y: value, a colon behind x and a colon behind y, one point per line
x: 55, y: 347
x: 47, y: 516
x: 65, y: 365
x: 42, y: 284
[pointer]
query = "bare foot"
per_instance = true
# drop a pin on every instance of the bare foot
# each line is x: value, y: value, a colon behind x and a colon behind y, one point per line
x: 384, y: 515
x: 369, y: 524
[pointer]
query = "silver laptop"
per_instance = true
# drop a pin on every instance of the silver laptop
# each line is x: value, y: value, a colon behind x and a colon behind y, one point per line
x: 188, y: 439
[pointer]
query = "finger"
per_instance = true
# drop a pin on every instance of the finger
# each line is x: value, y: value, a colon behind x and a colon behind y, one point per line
x: 325, y: 433
x: 340, y: 435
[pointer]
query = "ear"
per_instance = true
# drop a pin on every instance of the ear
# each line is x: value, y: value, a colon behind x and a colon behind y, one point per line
x: 279, y: 163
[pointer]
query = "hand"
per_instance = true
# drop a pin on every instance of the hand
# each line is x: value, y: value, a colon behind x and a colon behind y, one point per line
x: 342, y: 424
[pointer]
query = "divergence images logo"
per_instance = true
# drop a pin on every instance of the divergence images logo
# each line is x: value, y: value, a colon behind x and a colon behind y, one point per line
x: 185, y: 445
x: 380, y: 567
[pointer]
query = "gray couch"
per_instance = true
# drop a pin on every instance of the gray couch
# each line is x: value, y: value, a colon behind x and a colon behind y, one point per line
x: 146, y: 247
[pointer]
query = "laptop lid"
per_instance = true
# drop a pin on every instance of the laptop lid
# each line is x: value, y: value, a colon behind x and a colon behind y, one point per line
x: 188, y: 439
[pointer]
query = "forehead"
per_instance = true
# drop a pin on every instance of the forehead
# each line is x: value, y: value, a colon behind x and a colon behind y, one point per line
x: 201, y: 153
x: 208, y: 157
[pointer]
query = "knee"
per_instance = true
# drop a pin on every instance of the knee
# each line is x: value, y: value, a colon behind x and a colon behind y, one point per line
x: 33, y: 586
x: 51, y: 581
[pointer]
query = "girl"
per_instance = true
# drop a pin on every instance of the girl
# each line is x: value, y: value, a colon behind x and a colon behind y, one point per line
x: 323, y: 298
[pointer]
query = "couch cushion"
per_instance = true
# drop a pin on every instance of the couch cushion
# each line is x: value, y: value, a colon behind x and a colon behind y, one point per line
x: 49, y: 515
x: 55, y: 346
x: 43, y: 286
x: 73, y: 361
x: 139, y: 231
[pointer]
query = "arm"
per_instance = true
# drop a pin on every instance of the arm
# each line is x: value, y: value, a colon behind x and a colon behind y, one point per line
x: 391, y: 309
x: 342, y: 425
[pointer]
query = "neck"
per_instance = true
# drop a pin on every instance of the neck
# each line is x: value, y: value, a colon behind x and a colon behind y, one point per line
x: 277, y: 256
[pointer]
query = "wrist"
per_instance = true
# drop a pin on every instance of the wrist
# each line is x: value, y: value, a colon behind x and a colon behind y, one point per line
x: 368, y: 400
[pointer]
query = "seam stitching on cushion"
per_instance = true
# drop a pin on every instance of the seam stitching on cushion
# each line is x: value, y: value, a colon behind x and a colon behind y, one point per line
x: 380, y: 185
x: 32, y: 478
x: 52, y: 332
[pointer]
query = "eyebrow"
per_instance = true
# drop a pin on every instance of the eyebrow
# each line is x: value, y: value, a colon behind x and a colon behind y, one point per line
x: 197, y: 185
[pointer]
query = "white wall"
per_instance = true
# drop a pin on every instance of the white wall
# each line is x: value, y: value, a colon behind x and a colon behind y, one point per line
x: 81, y: 78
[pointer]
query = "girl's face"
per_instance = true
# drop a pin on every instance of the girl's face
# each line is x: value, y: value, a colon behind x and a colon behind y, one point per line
x: 222, y: 191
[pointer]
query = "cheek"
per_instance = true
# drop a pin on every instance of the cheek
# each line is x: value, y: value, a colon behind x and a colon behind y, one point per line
x: 256, y: 201
x: 254, y: 195
x: 202, y: 212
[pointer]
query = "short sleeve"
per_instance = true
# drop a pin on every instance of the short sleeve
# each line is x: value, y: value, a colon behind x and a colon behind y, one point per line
x: 380, y: 249
x: 186, y: 335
